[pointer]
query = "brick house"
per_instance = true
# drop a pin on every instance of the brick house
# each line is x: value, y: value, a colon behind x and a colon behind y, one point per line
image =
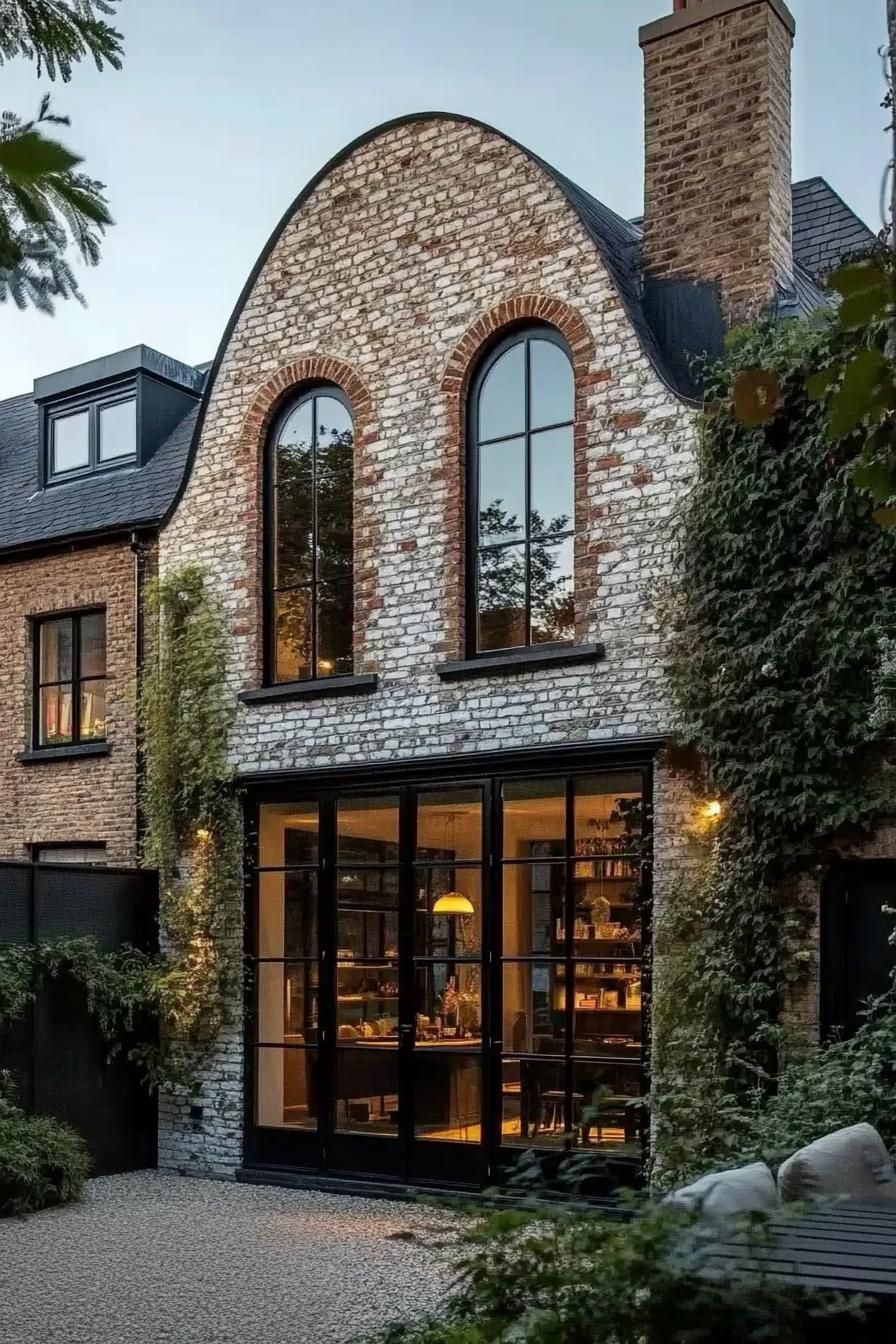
x: 89, y: 463
x: 443, y: 441
x: 432, y: 478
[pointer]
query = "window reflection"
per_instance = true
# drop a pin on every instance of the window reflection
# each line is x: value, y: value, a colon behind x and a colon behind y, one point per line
x: 312, y: 554
x: 523, y: 440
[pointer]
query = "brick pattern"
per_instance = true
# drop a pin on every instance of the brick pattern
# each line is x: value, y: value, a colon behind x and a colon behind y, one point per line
x: 401, y: 264
x: 718, y: 202
x: 92, y: 799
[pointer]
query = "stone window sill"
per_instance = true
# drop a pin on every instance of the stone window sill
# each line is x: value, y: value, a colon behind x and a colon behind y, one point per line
x: 314, y: 689
x: 522, y: 660
x: 43, y: 755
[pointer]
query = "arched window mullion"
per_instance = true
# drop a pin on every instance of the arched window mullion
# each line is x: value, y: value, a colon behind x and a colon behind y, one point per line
x: 308, y: 607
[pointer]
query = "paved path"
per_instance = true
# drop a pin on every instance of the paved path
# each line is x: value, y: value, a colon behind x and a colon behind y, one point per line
x: 150, y: 1258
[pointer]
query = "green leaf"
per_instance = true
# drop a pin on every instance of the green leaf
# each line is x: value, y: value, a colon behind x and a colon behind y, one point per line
x: 859, y: 309
x: 819, y: 384
x: 29, y: 156
x: 885, y: 517
x: 858, y: 277
x: 877, y: 477
x: 854, y: 398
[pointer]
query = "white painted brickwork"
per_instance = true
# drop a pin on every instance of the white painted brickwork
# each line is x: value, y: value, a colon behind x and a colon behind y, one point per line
x: 387, y: 265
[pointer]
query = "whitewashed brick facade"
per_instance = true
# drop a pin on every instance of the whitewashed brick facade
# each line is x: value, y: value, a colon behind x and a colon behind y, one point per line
x: 389, y: 262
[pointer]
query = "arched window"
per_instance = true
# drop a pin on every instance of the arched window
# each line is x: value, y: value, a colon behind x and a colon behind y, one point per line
x: 309, y: 554
x: 521, y: 411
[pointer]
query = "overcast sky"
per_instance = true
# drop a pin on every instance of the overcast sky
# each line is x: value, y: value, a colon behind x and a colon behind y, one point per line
x: 225, y: 108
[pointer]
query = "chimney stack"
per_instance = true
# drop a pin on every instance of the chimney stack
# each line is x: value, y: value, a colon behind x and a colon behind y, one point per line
x: 718, y: 205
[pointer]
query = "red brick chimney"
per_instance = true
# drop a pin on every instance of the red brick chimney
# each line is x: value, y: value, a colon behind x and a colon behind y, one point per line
x: 717, y: 154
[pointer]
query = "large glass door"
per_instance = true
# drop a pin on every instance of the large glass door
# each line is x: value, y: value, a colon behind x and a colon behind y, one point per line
x: 446, y: 974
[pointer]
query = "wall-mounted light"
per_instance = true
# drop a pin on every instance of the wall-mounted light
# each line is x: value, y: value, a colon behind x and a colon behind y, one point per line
x: 712, y: 810
x: 203, y: 836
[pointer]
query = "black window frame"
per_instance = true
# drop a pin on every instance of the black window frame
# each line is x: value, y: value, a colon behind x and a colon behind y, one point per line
x: 293, y: 404
x: 511, y: 338
x: 94, y: 404
x: 37, y: 684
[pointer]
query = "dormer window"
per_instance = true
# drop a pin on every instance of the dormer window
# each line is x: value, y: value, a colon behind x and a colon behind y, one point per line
x: 84, y: 437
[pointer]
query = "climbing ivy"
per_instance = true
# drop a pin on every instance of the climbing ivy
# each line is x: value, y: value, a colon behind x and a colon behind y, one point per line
x: 192, y: 817
x: 779, y: 622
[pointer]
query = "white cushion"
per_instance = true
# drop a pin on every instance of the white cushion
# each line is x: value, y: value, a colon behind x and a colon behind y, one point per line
x: 744, y: 1190
x: 853, y: 1163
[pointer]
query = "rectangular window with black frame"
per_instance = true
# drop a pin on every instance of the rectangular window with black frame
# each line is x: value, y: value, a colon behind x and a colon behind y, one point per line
x: 70, y: 679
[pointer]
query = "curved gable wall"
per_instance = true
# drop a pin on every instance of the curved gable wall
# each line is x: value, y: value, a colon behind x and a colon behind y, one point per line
x: 387, y: 262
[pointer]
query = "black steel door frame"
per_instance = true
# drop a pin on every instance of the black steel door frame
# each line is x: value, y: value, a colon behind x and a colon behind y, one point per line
x: 450, y: 1164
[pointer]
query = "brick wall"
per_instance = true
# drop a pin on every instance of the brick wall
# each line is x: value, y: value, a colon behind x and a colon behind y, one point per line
x: 718, y: 202
x: 90, y: 799
x: 401, y: 263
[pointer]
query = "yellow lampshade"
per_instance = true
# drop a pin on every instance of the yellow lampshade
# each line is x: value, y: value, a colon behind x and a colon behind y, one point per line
x: 453, y: 903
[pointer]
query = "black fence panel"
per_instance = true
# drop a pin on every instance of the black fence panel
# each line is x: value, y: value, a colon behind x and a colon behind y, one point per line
x: 57, y: 1053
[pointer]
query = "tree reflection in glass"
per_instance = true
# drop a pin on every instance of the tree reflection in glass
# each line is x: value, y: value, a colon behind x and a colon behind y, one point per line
x: 312, y: 552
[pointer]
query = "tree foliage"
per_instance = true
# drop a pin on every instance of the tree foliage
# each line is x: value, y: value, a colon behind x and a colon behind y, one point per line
x: 49, y: 209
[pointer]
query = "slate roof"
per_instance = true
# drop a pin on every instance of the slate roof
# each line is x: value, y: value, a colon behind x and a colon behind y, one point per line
x: 125, y: 498
x: 825, y: 230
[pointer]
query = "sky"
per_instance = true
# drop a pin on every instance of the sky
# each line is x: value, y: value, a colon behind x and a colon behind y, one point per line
x: 225, y: 108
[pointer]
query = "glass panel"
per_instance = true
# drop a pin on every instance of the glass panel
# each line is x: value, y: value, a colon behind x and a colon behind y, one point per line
x: 607, y: 1008
x: 605, y: 1104
x: 449, y: 912
x: 335, y: 455
x: 449, y: 825
x: 551, y: 501
x: 367, y: 915
x: 534, y: 1008
x: 448, y: 1001
x: 447, y: 1094
x: 287, y: 1088
x: 294, y: 499
x: 367, y: 1088
x: 287, y: 914
x: 534, y: 898
x: 367, y: 830
x: 55, y: 716
x: 118, y: 430
x: 93, y: 645
x: 502, y: 598
x: 553, y: 606
x: 534, y: 818
x: 93, y: 709
x: 532, y: 1103
x: 334, y: 629
x: 502, y: 491
x: 56, y: 650
x: 502, y: 399
x: 292, y: 617
x: 552, y: 394
x: 287, y: 834
x: 366, y: 1000
x: 71, y: 441
x: 287, y: 1002
x: 608, y: 818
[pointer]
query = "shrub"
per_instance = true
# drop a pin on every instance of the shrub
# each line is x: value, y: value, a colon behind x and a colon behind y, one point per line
x: 583, y: 1279
x: 42, y: 1161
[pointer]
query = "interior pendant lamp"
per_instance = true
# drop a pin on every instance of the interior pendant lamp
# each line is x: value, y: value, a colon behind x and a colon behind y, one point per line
x: 452, y: 902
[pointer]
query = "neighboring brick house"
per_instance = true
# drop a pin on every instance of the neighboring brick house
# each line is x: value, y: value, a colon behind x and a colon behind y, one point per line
x: 89, y: 463
x: 433, y: 479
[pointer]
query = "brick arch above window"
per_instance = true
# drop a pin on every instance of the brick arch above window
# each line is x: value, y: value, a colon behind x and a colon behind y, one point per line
x: 290, y: 381
x: 465, y: 359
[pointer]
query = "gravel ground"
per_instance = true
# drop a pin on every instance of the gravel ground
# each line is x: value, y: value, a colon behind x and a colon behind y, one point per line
x: 150, y: 1258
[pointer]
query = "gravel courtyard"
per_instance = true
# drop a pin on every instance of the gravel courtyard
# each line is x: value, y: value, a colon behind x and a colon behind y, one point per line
x: 150, y: 1258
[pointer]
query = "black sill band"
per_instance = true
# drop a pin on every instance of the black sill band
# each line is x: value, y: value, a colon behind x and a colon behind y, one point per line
x: 39, y: 755
x: 311, y: 690
x: 521, y: 660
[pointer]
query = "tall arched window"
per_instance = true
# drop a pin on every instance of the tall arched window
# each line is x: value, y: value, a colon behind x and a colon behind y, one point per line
x: 309, y: 471
x: 520, y: 488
